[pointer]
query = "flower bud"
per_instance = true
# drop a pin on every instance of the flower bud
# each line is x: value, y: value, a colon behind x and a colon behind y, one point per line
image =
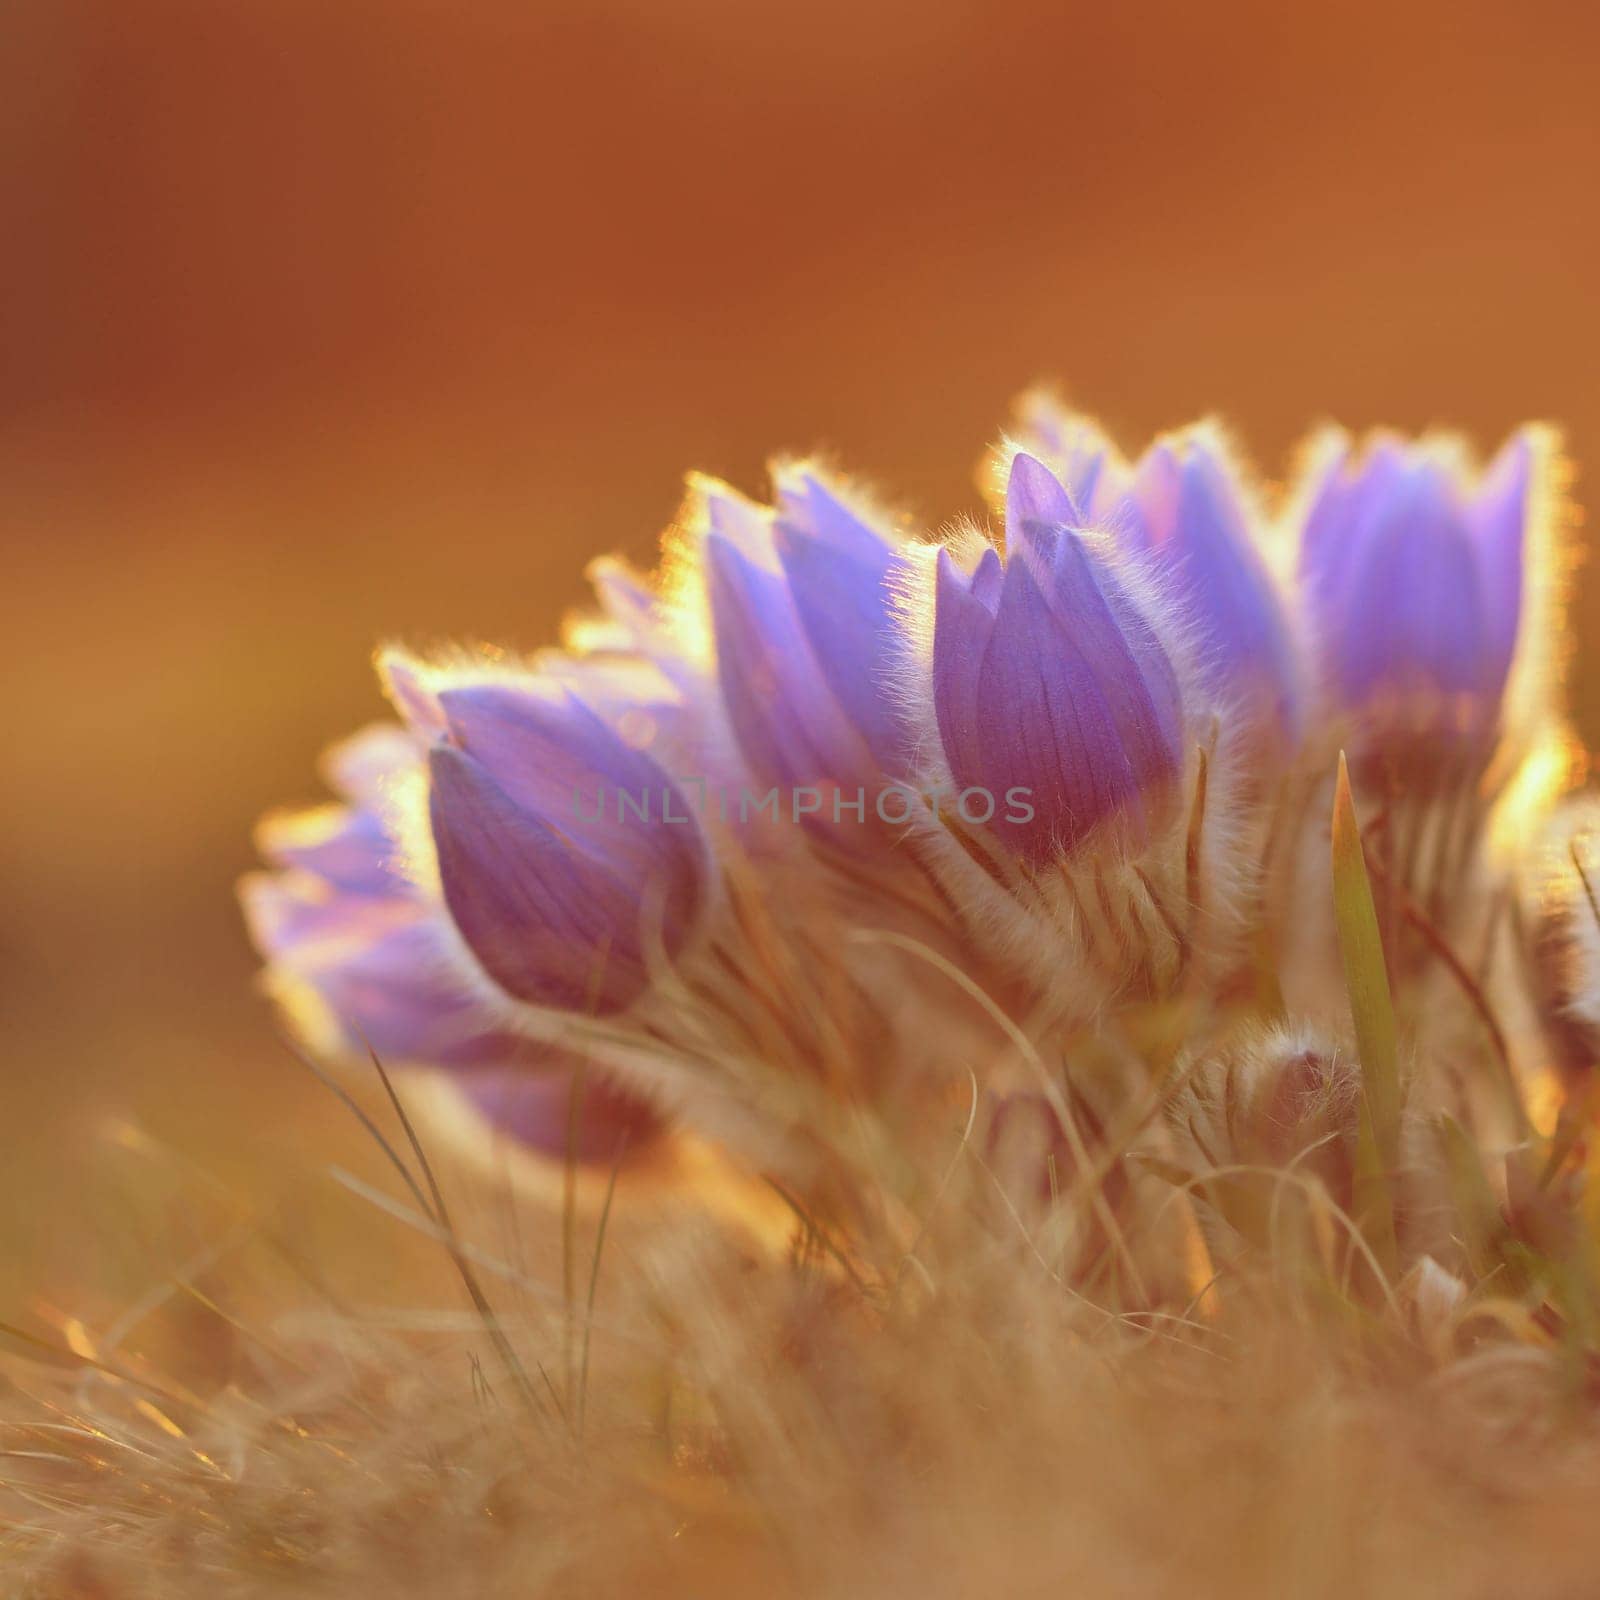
x: 1267, y: 1103
x: 1185, y: 509
x: 1412, y: 573
x: 359, y: 956
x: 1050, y: 680
x: 364, y: 959
x: 1190, y: 513
x: 800, y: 604
x: 564, y: 855
x: 1561, y: 915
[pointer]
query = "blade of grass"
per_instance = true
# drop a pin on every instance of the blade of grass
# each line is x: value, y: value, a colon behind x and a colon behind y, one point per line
x: 1477, y: 1211
x: 1414, y: 917
x: 491, y: 1323
x: 374, y: 1132
x: 49, y: 1352
x: 569, y: 1224
x: 1366, y: 977
x: 594, y: 1282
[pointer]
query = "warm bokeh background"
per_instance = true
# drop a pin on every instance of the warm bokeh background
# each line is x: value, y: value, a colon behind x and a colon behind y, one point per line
x: 330, y: 320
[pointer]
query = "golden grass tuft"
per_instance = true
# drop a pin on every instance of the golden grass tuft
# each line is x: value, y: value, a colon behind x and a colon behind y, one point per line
x: 939, y: 1414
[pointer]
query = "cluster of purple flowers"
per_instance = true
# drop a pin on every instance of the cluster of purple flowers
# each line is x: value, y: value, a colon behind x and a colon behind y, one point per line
x: 1134, y: 638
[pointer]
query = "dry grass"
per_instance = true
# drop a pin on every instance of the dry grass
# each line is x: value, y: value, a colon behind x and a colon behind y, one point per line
x: 943, y: 1413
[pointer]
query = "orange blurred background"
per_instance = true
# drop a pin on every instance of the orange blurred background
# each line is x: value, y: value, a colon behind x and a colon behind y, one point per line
x: 327, y: 321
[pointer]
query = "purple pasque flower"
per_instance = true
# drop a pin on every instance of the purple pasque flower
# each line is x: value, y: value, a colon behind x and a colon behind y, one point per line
x: 1051, y: 681
x: 1185, y: 509
x: 566, y: 857
x: 1189, y: 511
x: 1412, y: 575
x: 800, y: 600
x: 363, y: 958
x: 357, y: 953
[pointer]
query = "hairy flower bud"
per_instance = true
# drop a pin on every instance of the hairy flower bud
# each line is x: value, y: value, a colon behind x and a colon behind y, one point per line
x: 1186, y: 510
x: 1412, y: 573
x: 800, y: 608
x: 1281, y: 1101
x: 1192, y: 516
x: 1049, y: 679
x: 362, y: 958
x: 358, y: 954
x: 1561, y: 913
x: 564, y: 855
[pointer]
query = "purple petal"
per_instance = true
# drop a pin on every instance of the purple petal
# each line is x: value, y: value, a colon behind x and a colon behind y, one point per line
x: 347, y: 847
x: 1082, y: 457
x: 729, y: 516
x: 1085, y: 461
x: 964, y: 619
x: 408, y: 685
x: 1415, y: 616
x: 383, y: 968
x: 1095, y: 480
x: 1150, y: 659
x: 1157, y: 495
x: 1067, y: 710
x: 1036, y: 498
x: 1498, y: 518
x: 808, y: 507
x: 789, y: 726
x: 1227, y: 590
x: 843, y: 602
x: 1112, y: 634
x: 554, y: 758
x: 366, y: 765
x: 624, y: 595
x: 289, y: 911
x: 1346, y: 506
x: 533, y: 1105
x: 546, y: 922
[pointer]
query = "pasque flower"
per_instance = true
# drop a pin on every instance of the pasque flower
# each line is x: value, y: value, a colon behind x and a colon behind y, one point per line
x: 357, y: 951
x: 1185, y: 508
x: 1191, y: 514
x: 1412, y: 572
x: 564, y: 855
x: 363, y: 959
x: 507, y: 855
x: 1051, y: 680
x: 800, y: 604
